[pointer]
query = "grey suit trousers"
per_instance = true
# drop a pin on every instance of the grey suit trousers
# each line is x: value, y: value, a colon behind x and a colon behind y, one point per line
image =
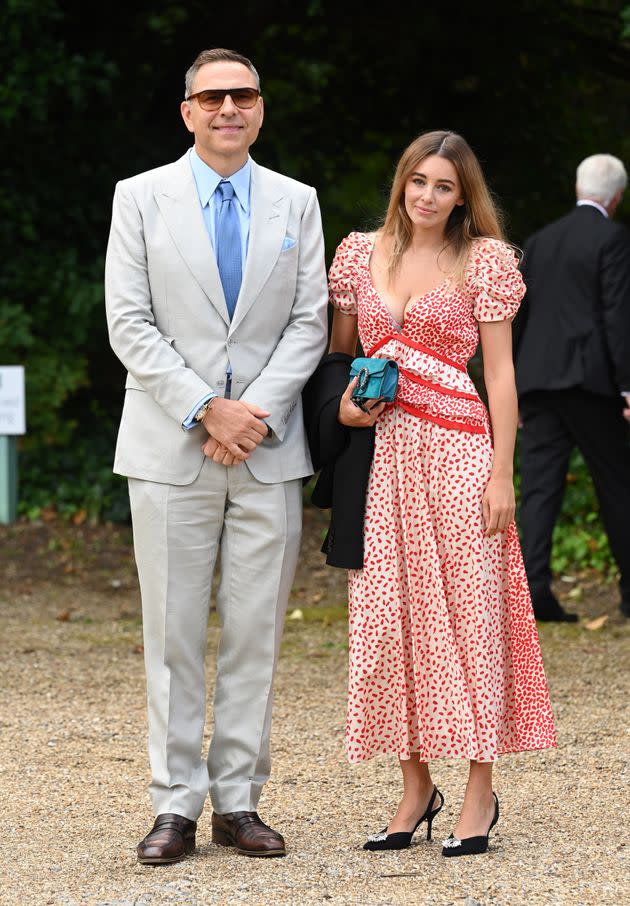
x: 179, y: 531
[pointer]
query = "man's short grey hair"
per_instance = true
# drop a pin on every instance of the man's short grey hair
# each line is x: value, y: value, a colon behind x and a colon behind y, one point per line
x: 600, y: 177
x: 218, y: 55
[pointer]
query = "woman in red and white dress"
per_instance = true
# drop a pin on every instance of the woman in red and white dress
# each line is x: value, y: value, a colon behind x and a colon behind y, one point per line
x: 445, y: 659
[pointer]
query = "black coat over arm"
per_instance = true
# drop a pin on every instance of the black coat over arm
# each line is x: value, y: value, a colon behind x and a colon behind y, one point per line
x: 342, y: 456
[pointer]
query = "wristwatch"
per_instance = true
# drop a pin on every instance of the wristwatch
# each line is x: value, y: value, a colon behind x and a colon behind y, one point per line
x: 201, y: 413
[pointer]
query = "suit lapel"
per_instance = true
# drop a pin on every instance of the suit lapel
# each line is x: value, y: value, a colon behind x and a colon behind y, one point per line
x: 270, y: 212
x: 178, y: 202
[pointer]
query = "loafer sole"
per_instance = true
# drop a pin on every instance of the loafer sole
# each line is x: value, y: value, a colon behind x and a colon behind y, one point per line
x: 267, y: 852
x: 161, y: 860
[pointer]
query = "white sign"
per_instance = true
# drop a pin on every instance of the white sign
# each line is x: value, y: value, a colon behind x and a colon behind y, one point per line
x: 12, y: 400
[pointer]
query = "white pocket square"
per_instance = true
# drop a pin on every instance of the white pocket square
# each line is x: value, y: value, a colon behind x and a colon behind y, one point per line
x: 288, y: 243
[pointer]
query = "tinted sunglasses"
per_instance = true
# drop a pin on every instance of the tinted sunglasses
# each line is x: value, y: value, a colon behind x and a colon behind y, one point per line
x: 213, y: 98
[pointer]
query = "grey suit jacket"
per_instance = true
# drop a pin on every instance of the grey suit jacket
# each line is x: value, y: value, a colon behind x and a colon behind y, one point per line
x: 168, y: 321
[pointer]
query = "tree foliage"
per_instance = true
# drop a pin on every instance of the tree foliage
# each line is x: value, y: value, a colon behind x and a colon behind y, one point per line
x: 534, y: 88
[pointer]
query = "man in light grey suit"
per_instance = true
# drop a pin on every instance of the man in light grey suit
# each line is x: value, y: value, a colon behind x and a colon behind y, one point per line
x: 216, y: 300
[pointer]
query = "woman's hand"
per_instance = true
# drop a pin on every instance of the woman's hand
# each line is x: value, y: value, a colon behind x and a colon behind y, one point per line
x: 351, y: 415
x: 498, y: 504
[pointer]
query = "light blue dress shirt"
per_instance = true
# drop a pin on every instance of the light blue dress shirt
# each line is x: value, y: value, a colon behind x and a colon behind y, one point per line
x: 207, y: 181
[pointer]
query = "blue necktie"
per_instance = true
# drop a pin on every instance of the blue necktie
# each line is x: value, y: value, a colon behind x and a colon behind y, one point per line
x: 229, y: 246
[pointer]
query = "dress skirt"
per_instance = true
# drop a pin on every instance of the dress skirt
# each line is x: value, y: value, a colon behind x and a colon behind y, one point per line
x: 444, y: 656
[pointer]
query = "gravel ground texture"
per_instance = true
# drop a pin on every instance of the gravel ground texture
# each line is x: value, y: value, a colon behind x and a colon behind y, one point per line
x: 74, y: 766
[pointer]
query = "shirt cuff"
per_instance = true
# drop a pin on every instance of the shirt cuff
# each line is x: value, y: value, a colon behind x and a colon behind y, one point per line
x: 189, y: 422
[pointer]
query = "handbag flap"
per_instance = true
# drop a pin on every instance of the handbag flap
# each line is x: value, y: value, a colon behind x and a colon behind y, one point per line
x: 377, y: 377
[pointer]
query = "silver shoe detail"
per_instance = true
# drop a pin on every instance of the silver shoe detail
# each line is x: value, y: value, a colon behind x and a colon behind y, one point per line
x: 378, y: 838
x: 451, y: 842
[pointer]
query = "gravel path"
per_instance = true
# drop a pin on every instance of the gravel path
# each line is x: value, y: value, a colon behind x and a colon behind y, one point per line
x: 74, y: 768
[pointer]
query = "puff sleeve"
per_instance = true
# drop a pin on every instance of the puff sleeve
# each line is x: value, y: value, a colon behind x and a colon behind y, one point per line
x: 493, y: 281
x: 343, y: 274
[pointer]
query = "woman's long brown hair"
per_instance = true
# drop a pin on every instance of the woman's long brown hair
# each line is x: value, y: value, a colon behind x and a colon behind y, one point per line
x: 478, y: 217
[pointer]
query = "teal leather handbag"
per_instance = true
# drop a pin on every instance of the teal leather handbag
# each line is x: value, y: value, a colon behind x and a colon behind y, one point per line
x: 377, y: 380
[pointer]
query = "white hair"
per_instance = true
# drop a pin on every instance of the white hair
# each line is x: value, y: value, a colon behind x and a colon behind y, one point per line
x: 600, y: 177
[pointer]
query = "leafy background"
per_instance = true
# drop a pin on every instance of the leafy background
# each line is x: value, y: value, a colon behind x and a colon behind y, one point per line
x: 534, y: 87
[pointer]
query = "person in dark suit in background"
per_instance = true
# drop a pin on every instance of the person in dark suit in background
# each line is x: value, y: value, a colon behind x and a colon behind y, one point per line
x: 572, y: 356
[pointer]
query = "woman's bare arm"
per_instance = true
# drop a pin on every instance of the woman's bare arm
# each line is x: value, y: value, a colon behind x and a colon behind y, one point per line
x: 498, y: 370
x: 344, y: 334
x: 343, y: 338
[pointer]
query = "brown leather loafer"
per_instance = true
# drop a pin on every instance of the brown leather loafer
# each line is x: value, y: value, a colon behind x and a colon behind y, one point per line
x: 246, y: 832
x: 171, y: 839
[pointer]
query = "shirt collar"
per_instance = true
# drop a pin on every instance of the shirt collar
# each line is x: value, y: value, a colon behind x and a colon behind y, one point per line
x: 593, y: 204
x: 208, y: 179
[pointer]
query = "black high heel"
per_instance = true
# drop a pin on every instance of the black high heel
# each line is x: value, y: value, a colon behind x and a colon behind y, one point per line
x: 470, y: 846
x: 402, y: 839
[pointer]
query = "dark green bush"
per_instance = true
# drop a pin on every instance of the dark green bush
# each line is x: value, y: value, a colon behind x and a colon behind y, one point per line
x: 82, y: 107
x: 75, y: 479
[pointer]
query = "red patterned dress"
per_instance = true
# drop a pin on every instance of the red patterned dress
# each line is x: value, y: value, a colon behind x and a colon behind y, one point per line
x: 444, y: 656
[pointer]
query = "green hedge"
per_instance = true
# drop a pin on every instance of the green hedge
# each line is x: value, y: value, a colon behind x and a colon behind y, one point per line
x: 76, y: 482
x: 82, y: 107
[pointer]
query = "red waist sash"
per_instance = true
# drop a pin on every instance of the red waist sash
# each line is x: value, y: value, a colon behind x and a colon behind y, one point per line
x: 421, y: 412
